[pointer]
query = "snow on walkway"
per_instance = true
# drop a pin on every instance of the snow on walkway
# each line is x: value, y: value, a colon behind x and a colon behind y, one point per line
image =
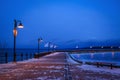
x: 100, y: 69
x: 44, y: 68
x: 52, y: 67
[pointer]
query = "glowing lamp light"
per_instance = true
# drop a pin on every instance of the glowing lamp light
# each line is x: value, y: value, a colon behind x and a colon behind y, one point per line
x: 15, y: 32
x: 20, y: 25
x: 51, y: 46
x: 77, y: 47
x: 55, y: 46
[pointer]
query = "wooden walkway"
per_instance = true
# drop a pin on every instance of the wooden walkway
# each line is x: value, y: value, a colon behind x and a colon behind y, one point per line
x: 52, y: 67
x: 55, y: 66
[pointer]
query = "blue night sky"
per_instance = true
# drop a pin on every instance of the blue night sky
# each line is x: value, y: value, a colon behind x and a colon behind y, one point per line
x: 59, y: 21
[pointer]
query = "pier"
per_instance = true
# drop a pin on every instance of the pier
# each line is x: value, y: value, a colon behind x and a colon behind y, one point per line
x: 54, y: 66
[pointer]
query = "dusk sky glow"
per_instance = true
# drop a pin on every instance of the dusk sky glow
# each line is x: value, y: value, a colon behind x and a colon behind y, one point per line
x: 59, y: 21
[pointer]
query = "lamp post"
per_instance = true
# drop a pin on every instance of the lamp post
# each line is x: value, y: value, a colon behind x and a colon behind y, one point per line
x: 49, y: 43
x: 39, y: 40
x: 54, y: 47
x: 15, y: 35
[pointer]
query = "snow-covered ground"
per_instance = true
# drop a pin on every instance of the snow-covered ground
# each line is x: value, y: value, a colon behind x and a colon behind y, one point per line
x: 70, y: 60
x: 7, y: 65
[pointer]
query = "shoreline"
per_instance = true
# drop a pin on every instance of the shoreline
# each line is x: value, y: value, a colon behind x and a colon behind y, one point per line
x: 99, y: 63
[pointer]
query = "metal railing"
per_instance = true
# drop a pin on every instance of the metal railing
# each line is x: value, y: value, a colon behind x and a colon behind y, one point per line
x: 7, y: 57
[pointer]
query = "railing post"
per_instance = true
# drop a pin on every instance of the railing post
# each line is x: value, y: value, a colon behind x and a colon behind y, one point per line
x: 38, y: 55
x: 14, y: 56
x: 6, y: 57
x: 34, y: 55
x: 97, y: 64
x: 21, y: 56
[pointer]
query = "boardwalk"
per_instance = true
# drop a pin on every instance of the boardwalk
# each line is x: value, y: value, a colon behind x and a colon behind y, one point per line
x: 56, y: 66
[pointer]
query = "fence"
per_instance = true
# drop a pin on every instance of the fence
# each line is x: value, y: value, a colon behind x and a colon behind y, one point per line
x: 6, y: 57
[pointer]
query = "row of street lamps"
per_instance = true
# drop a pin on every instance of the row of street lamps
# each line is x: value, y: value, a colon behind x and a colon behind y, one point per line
x: 49, y: 45
x: 18, y: 24
x: 39, y: 41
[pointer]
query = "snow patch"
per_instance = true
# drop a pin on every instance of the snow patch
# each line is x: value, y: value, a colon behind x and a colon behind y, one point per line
x: 7, y: 65
x: 100, y: 69
x: 70, y: 60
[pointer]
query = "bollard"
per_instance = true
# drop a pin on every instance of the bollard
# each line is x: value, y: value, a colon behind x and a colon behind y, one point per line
x: 21, y: 56
x: 6, y: 57
x: 97, y: 64
x: 36, y: 55
x: 101, y: 65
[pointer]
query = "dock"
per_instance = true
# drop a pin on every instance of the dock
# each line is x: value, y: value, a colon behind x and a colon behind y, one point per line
x: 55, y: 66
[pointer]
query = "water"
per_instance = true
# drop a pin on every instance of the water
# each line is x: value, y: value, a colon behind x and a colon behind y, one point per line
x: 27, y: 54
x: 111, y: 57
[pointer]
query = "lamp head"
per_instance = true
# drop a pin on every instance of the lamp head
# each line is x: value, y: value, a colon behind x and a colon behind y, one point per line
x: 20, y: 25
x: 40, y: 39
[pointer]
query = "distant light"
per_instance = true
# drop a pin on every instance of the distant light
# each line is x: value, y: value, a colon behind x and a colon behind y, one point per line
x: 119, y: 46
x: 101, y: 46
x: 76, y: 46
x: 92, y: 55
x: 113, y: 54
x: 90, y: 46
x: 20, y: 25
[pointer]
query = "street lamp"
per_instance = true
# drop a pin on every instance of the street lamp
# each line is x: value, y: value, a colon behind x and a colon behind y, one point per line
x: 49, y: 43
x: 15, y: 35
x: 54, y: 47
x: 39, y: 40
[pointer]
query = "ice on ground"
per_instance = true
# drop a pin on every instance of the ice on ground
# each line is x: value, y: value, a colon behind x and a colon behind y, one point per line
x: 52, y: 54
x: 71, y: 60
x: 94, y: 78
x: 42, y: 78
x: 56, y: 67
x: 35, y: 60
x: 30, y: 60
x: 100, y: 69
x: 7, y: 65
x: 46, y: 78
